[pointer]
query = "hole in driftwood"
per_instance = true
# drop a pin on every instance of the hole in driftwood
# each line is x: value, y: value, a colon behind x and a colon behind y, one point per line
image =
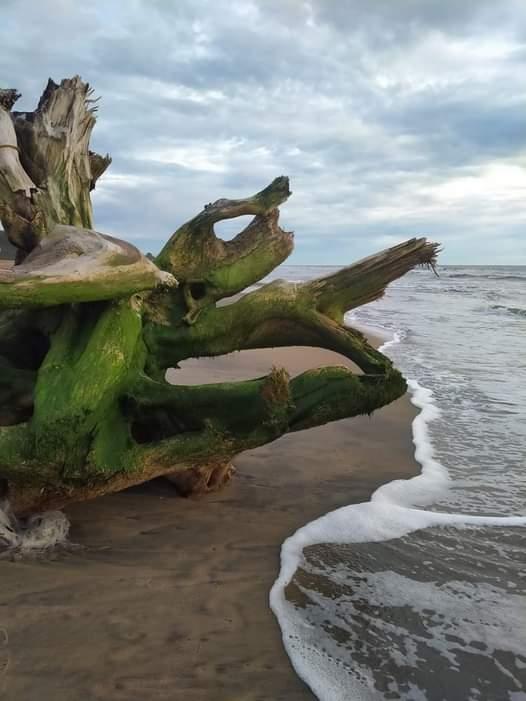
x: 256, y: 362
x: 198, y: 290
x: 227, y: 229
x: 161, y: 424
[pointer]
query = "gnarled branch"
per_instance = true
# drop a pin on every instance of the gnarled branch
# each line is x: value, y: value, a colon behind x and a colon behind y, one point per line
x: 281, y: 314
x: 224, y: 268
x: 366, y: 280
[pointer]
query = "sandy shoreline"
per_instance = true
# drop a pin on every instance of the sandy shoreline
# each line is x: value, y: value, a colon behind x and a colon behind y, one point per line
x: 169, y: 598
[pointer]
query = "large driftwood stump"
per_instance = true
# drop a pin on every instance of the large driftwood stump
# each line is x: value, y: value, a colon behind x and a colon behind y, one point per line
x: 88, y: 326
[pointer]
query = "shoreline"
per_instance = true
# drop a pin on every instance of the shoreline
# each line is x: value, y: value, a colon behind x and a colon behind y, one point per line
x: 168, y: 599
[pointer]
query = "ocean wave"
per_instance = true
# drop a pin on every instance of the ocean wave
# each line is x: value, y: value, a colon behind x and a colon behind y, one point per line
x: 480, y: 276
x: 439, y: 290
x: 516, y: 311
x: 458, y: 290
x: 393, y: 512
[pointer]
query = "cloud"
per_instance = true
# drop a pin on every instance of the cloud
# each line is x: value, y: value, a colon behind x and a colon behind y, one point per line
x: 392, y: 118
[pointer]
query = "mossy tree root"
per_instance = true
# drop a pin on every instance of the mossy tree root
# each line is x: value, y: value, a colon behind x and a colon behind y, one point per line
x: 89, y: 326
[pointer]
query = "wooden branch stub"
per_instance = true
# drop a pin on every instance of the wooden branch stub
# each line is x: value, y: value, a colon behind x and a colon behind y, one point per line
x: 8, y: 97
x: 269, y: 198
x: 54, y: 151
x: 98, y: 165
x: 366, y: 280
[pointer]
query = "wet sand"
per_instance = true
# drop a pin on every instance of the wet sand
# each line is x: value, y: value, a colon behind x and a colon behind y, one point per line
x: 168, y: 598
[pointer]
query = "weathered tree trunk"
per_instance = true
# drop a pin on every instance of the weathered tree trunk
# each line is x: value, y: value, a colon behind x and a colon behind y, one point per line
x: 89, y: 326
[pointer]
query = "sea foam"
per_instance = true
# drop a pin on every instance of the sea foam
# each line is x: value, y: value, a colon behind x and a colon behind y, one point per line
x: 390, y: 514
x: 38, y: 533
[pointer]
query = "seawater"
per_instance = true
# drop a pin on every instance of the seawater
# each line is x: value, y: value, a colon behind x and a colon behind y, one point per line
x: 420, y: 593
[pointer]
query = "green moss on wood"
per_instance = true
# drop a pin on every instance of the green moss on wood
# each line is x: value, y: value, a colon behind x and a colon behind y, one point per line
x: 96, y: 351
x: 84, y: 407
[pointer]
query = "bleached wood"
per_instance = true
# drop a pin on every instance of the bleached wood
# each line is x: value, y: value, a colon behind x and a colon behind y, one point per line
x: 11, y: 169
x: 79, y: 265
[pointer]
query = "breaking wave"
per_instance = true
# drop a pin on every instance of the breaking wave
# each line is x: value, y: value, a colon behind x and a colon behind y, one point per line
x: 480, y: 276
x: 370, y: 607
x: 516, y: 311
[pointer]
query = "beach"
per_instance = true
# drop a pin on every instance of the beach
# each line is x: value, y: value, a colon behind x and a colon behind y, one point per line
x: 167, y: 598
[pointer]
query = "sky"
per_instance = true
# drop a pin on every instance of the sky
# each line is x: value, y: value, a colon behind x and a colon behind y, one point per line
x: 392, y: 118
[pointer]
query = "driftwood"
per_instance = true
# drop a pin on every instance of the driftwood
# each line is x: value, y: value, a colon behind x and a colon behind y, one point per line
x: 88, y: 326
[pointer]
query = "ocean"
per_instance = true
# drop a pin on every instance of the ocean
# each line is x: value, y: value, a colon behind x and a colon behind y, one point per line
x: 420, y: 593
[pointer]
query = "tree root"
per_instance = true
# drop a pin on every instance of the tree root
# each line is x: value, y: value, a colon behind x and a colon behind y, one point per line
x: 203, y: 479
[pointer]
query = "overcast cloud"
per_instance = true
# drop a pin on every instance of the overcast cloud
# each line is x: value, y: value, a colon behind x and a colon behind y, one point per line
x: 393, y: 118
